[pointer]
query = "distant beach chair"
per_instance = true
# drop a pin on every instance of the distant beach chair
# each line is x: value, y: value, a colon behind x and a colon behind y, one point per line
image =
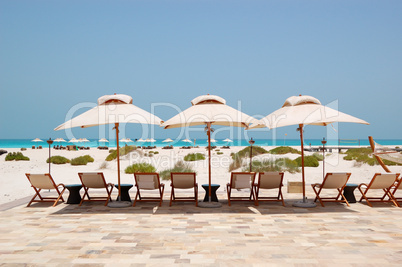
x: 269, y: 180
x: 45, y: 181
x: 332, y: 181
x: 238, y: 181
x: 148, y: 181
x: 380, y: 181
x: 183, y: 180
x: 95, y: 180
x: 33, y: 147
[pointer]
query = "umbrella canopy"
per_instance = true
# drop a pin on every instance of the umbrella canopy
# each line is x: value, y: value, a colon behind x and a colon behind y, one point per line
x: 227, y: 140
x: 112, y: 109
x: 213, y: 141
x: 140, y: 140
x: 73, y: 140
x: 187, y: 140
x: 304, y: 110
x: 37, y: 140
x: 59, y: 140
x: 167, y: 140
x: 151, y: 140
x: 103, y: 140
x: 209, y: 110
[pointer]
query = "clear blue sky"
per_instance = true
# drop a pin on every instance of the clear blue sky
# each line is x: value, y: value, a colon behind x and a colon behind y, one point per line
x: 56, y: 54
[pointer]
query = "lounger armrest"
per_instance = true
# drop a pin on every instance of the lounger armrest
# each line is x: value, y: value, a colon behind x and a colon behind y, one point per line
x: 62, y: 185
x: 317, y: 184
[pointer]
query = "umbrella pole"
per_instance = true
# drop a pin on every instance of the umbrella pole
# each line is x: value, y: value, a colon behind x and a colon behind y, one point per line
x: 209, y: 160
x: 302, y: 160
x: 209, y: 204
x: 118, y: 203
x: 303, y: 203
x: 118, y: 158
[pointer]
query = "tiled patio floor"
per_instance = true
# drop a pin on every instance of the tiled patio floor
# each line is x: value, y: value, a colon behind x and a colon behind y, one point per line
x: 242, y: 234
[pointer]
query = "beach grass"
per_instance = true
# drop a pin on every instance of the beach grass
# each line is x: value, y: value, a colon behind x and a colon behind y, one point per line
x: 140, y: 167
x: 58, y: 160
x: 194, y: 157
x: 82, y: 160
x: 284, y: 150
x: 179, y: 166
x: 17, y: 156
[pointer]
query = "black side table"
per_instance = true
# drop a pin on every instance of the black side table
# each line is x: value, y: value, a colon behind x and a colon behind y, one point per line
x: 214, y: 187
x: 125, y: 196
x: 74, y: 197
x: 348, y: 192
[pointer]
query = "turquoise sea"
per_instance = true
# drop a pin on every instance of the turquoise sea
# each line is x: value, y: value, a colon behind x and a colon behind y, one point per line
x: 27, y: 143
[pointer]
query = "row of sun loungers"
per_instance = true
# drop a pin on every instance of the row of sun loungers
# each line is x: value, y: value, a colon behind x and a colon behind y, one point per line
x: 103, y: 148
x: 39, y: 147
x: 387, y: 184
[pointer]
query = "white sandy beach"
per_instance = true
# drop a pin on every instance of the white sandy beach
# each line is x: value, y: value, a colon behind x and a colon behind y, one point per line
x: 15, y: 184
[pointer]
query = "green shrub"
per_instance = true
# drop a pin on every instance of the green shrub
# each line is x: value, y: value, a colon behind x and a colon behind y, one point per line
x: 309, y: 161
x: 278, y: 165
x: 82, y: 160
x: 318, y: 156
x: 363, y: 155
x: 122, y: 152
x: 180, y: 166
x: 156, y: 152
x: 194, y: 157
x: 284, y: 150
x: 140, y: 167
x: 17, y: 156
x: 219, y: 153
x: 58, y: 160
x: 245, y: 152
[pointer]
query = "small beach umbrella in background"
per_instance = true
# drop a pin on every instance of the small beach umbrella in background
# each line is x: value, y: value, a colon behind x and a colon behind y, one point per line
x: 304, y: 110
x: 167, y: 140
x: 187, y: 140
x: 73, y: 140
x: 104, y: 141
x: 59, y: 140
x: 112, y: 109
x: 209, y: 110
x: 213, y: 141
x: 36, y: 140
x: 227, y: 140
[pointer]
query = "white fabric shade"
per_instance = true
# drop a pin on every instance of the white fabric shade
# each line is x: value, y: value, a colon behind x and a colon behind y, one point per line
x: 167, y: 140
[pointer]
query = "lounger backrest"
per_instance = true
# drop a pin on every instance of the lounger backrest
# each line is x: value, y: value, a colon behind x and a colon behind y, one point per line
x: 268, y: 180
x: 183, y: 180
x: 382, y: 180
x: 147, y: 180
x: 41, y: 181
x: 92, y: 180
x: 242, y: 180
x: 335, y: 180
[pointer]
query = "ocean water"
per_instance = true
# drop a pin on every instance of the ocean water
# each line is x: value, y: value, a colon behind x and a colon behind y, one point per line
x: 27, y: 143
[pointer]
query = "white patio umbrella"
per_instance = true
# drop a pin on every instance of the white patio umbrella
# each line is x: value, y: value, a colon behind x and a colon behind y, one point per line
x: 208, y: 110
x: 140, y: 140
x: 167, y: 140
x: 73, y: 140
x: 59, y: 140
x: 227, y: 140
x: 112, y: 109
x: 304, y: 110
x: 37, y: 140
x: 213, y: 141
x: 103, y: 140
x: 187, y: 140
